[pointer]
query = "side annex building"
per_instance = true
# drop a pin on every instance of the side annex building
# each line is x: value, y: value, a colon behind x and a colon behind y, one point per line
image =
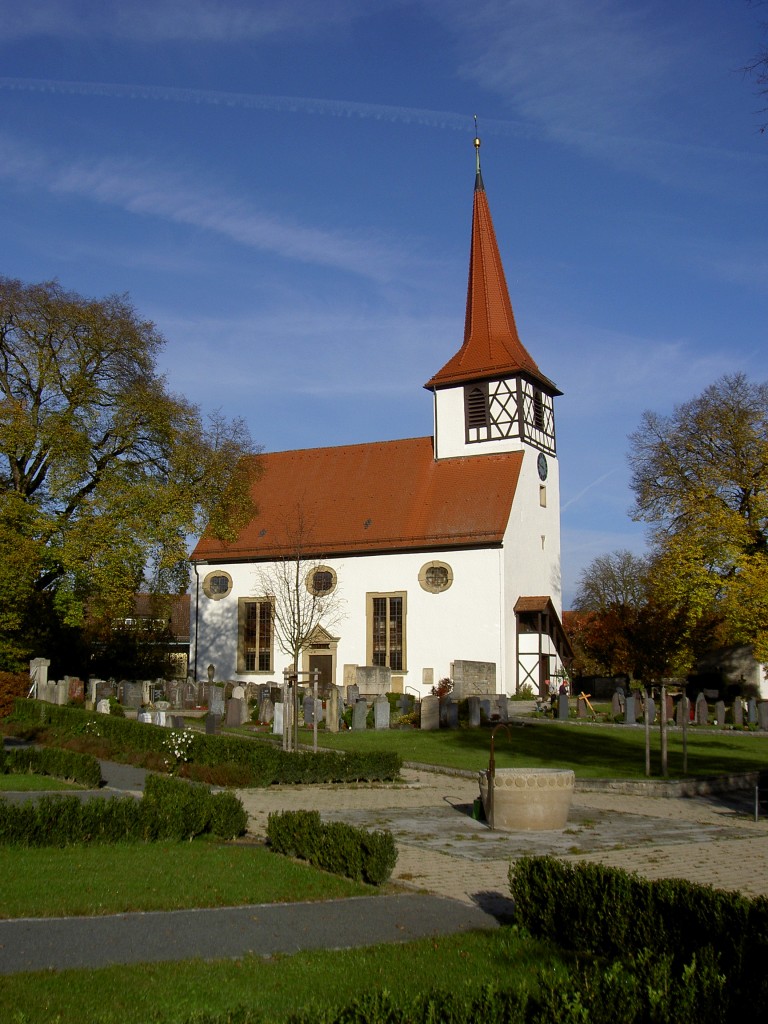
x: 443, y: 551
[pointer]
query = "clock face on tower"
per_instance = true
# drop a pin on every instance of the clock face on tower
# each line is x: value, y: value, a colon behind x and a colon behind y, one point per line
x: 541, y: 465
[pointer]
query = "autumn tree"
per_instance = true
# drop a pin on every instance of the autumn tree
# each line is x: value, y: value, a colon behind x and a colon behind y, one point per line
x: 622, y: 624
x: 104, y: 473
x: 700, y: 478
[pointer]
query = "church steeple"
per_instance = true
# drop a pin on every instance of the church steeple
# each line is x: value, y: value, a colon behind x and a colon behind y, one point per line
x: 492, y: 346
x: 491, y: 390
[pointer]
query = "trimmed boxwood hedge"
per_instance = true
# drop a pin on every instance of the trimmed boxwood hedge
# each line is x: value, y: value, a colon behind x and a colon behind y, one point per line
x: 611, y: 913
x: 61, y: 764
x: 354, y: 852
x: 265, y: 763
x: 170, y: 809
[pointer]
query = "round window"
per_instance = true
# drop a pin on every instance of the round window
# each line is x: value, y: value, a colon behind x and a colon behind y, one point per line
x: 435, y: 577
x: 217, y: 584
x: 321, y: 581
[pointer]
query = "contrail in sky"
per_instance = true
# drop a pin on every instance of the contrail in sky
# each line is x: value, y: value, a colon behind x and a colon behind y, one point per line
x: 288, y: 104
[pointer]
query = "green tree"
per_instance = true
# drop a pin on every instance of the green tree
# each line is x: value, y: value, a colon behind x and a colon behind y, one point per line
x: 700, y: 478
x: 103, y: 472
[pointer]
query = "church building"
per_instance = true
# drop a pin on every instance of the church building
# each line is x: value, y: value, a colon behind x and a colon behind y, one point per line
x: 443, y: 551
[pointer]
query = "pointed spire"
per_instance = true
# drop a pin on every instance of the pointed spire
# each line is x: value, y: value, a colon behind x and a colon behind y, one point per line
x: 492, y: 347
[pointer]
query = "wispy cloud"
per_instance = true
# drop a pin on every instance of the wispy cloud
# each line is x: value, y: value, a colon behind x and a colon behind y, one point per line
x: 602, y: 77
x: 141, y: 189
x: 171, y: 20
x: 444, y: 119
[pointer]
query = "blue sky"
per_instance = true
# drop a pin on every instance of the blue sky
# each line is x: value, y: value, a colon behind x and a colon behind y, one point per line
x: 285, y: 188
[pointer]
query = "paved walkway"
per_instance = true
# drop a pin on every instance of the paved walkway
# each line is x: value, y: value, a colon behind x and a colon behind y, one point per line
x: 712, y: 840
x: 455, y: 867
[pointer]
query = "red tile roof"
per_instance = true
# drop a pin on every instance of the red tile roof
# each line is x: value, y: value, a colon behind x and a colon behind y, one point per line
x: 492, y: 347
x: 386, y: 496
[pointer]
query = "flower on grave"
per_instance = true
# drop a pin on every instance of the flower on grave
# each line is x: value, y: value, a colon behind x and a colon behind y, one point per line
x: 178, y: 743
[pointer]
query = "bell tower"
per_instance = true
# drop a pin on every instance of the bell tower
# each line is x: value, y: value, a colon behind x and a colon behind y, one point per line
x: 491, y: 396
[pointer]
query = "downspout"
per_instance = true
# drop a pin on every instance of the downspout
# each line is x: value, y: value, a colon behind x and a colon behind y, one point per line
x: 197, y: 612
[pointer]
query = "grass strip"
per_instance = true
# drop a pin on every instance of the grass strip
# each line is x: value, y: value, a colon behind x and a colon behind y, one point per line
x: 591, y: 751
x: 276, y: 987
x: 85, y: 880
x: 33, y: 784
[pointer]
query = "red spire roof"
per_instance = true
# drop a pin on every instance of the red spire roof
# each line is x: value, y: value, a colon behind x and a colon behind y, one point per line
x: 492, y: 347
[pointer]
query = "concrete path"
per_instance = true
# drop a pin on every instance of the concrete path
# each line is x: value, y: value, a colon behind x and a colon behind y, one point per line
x: 66, y: 943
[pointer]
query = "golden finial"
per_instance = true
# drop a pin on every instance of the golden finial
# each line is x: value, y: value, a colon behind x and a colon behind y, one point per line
x: 477, y: 146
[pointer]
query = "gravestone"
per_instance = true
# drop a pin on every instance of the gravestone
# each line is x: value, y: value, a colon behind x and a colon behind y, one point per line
x: 381, y: 712
x: 359, y: 714
x: 615, y: 705
x: 308, y: 708
x: 563, y: 707
x: 430, y: 713
x: 503, y: 705
x: 669, y: 708
x: 238, y: 692
x: 702, y: 710
x: 581, y: 708
x: 473, y: 678
x: 649, y: 711
x: 473, y: 706
x: 318, y: 710
x: 373, y: 679
x: 237, y: 711
x: 62, y: 692
x: 630, y: 714
x: 174, y: 692
x: 485, y: 710
x: 277, y: 718
x: 405, y: 704
x: 133, y: 694
x: 762, y: 715
x: 738, y: 713
x: 267, y: 711
x: 102, y: 707
x: 444, y: 705
x: 353, y: 694
x: 216, y: 700
x: 145, y: 717
x: 38, y: 675
x: 177, y: 721
x: 682, y: 711
x: 720, y: 714
x: 75, y: 688
x: 452, y: 715
x: 332, y: 709
x: 752, y: 711
x: 212, y: 724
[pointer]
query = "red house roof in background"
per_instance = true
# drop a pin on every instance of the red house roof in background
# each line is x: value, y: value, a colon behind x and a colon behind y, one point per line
x: 386, y: 496
x: 492, y: 347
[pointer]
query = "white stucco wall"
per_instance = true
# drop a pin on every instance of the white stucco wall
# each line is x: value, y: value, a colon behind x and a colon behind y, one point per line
x: 462, y: 622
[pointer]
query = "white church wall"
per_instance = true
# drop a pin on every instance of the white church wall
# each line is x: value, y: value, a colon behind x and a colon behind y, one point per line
x: 462, y: 622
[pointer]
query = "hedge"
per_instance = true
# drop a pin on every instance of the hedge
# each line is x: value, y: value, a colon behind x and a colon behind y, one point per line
x: 265, y: 763
x: 61, y: 764
x: 611, y: 913
x: 342, y: 849
x: 170, y: 809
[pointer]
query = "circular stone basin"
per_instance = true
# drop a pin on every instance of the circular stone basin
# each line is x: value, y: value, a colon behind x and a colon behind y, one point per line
x: 528, y: 799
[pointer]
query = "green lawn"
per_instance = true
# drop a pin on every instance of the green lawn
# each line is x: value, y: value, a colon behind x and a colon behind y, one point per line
x: 156, y: 876
x: 162, y: 993
x: 28, y: 783
x: 592, y: 751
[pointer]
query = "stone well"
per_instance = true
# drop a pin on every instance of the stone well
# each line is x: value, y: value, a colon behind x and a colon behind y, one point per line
x: 528, y: 799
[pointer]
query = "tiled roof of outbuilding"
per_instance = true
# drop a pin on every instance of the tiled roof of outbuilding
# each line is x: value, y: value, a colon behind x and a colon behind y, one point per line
x: 385, y: 496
